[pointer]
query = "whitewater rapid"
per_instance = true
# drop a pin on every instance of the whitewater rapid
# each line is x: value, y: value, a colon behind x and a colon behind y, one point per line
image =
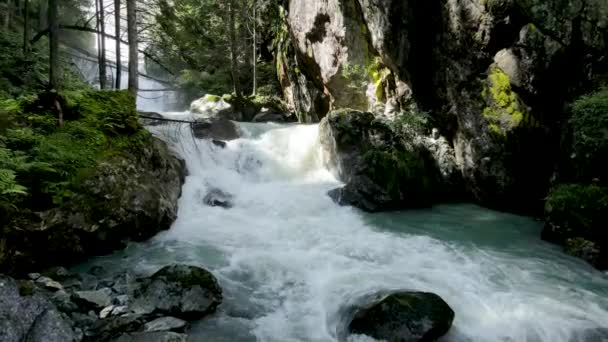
x: 290, y: 260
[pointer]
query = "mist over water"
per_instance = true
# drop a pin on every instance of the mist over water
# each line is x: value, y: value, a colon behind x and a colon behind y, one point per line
x: 290, y: 260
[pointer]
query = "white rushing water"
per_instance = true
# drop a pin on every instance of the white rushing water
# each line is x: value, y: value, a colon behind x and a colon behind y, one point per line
x: 290, y: 260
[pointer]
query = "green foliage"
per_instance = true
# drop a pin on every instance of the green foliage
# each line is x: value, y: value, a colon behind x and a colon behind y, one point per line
x: 590, y: 129
x: 412, y: 123
x: 42, y: 162
x: 21, y: 74
x: 355, y: 75
x: 579, y: 210
x: 113, y: 109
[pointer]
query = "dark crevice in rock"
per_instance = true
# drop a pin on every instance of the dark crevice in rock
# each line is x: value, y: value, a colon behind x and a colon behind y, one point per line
x: 318, y: 32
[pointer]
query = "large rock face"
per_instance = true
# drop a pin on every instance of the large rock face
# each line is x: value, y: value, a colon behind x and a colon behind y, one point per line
x: 495, y: 75
x: 131, y: 196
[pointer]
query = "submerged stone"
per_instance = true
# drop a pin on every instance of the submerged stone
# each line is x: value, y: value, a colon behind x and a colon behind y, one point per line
x: 218, y: 198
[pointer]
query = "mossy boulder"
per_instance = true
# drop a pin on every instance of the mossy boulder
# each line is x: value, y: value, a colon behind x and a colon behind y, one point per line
x: 381, y: 171
x: 182, y: 291
x: 86, y: 187
x: 404, y: 317
x: 575, y: 216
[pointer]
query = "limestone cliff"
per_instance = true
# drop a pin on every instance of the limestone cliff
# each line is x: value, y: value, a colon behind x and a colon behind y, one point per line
x: 495, y: 74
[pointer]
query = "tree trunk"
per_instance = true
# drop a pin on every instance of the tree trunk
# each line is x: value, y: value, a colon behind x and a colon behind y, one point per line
x: 117, y: 34
x: 103, y: 75
x: 255, y: 48
x: 54, y: 71
x: 234, y: 63
x: 43, y: 10
x: 26, y: 27
x: 133, y: 53
x: 7, y: 15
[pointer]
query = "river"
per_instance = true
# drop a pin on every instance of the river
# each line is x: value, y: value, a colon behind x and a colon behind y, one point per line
x: 290, y: 260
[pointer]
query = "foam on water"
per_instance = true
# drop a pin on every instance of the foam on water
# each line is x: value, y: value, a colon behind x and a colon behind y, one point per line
x: 290, y: 260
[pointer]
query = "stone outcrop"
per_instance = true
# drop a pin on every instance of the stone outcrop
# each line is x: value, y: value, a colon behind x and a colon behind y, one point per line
x: 131, y: 196
x: 494, y: 74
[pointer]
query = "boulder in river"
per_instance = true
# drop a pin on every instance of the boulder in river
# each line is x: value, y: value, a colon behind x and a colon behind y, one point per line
x: 269, y: 115
x: 404, y: 317
x: 217, y: 129
x: 215, y: 107
x: 27, y: 316
x: 381, y: 171
x: 181, y: 291
x: 218, y: 198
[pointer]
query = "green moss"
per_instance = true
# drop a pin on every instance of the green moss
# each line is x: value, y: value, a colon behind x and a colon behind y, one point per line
x: 212, y: 98
x: 26, y: 288
x: 504, y: 109
x: 401, y: 171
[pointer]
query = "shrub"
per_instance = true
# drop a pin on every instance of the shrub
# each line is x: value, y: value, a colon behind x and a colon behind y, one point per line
x: 579, y: 211
x: 590, y: 136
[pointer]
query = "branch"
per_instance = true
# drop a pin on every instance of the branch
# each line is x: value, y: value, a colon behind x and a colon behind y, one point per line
x: 92, y: 30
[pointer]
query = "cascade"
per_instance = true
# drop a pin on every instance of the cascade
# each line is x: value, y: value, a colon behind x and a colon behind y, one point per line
x: 290, y: 260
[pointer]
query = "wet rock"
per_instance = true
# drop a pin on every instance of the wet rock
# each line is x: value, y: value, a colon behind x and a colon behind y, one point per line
x: 268, y: 115
x: 97, y: 299
x: 166, y: 324
x: 96, y: 271
x: 218, y: 198
x: 364, y: 194
x: 30, y: 317
x: 63, y: 302
x: 83, y: 320
x: 58, y: 273
x: 111, y: 328
x: 121, y: 300
x: 404, y: 317
x: 107, y: 311
x: 186, y: 292
x: 34, y: 276
x: 219, y: 143
x: 218, y: 129
x: 153, y: 337
x: 49, y: 284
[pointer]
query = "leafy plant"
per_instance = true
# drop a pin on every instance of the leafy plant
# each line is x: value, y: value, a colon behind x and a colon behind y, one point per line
x: 590, y: 135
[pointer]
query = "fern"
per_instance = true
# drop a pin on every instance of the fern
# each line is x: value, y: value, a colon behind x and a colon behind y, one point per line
x: 9, y: 185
